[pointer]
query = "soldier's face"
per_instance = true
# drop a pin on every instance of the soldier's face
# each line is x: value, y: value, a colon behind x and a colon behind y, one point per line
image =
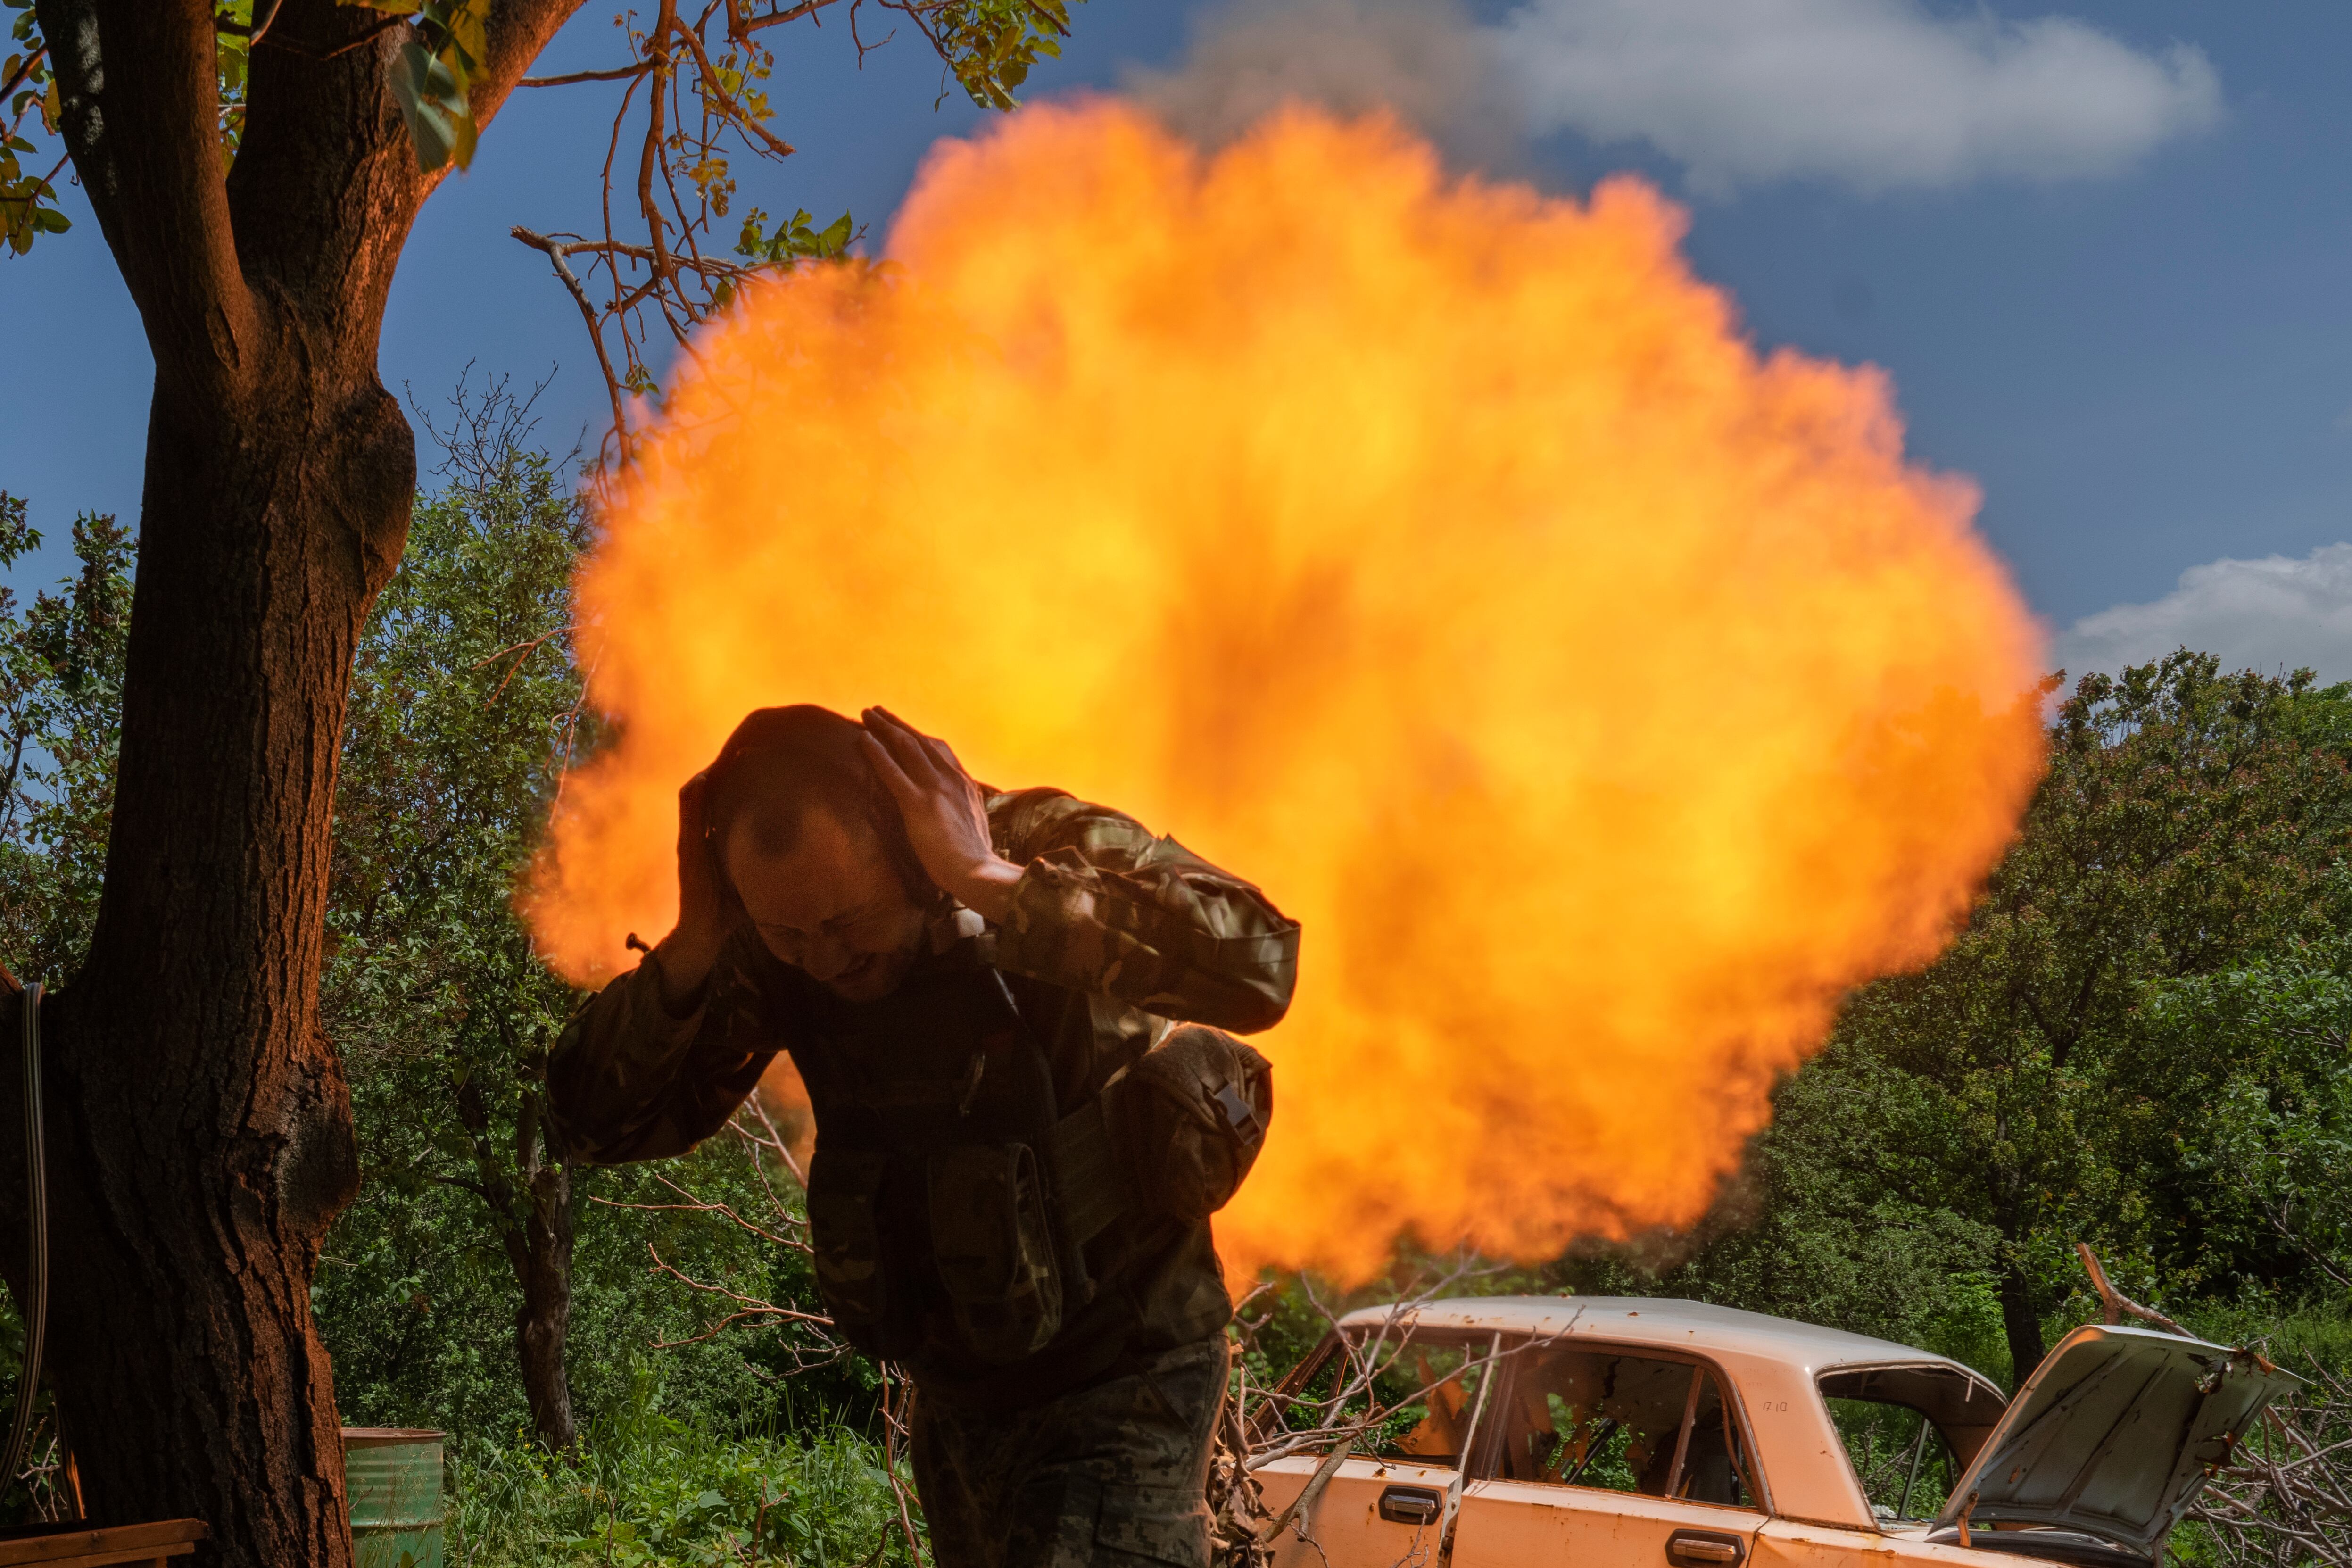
x: 831, y: 905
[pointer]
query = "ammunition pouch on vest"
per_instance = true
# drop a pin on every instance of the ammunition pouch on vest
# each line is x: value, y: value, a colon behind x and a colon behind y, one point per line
x: 846, y: 1227
x: 1189, y: 1119
x: 935, y: 1195
x: 993, y: 1243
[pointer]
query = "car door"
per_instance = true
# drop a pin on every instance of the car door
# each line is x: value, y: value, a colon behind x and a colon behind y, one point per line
x: 1608, y: 1458
x: 1903, y: 1431
x: 1417, y: 1399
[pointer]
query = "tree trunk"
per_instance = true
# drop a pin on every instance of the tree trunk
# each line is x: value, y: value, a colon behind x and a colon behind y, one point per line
x: 544, y: 1318
x: 200, y: 1135
x: 200, y: 1138
x: 2021, y: 1322
x: 532, y: 1211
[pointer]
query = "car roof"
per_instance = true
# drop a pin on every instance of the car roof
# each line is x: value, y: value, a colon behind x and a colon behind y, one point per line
x: 1661, y: 1322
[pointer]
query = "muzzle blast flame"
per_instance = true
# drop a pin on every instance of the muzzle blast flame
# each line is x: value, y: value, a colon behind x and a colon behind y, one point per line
x: 1606, y: 698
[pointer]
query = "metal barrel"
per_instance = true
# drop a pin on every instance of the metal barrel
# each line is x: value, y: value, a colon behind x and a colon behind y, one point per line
x: 393, y: 1475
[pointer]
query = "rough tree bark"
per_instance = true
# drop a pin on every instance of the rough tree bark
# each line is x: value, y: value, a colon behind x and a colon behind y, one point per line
x: 534, y: 1219
x: 200, y: 1136
x: 544, y: 1322
x: 2020, y: 1322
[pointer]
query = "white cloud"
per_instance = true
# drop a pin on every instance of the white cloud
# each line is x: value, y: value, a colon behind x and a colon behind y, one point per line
x: 1872, y: 93
x: 2268, y: 614
x: 1422, y: 59
x: 1875, y: 94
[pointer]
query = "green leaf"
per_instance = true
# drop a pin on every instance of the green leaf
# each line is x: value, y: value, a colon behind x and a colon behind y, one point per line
x: 465, y: 26
x: 432, y: 101
x: 461, y: 119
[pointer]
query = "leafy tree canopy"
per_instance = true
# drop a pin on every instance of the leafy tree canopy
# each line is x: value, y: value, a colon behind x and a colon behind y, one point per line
x: 2132, y: 1028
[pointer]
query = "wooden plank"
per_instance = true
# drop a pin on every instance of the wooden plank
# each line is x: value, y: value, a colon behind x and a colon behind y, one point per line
x: 87, y: 1548
x: 158, y: 1557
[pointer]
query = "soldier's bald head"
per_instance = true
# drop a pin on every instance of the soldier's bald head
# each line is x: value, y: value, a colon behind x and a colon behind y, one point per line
x: 812, y: 853
x: 782, y: 768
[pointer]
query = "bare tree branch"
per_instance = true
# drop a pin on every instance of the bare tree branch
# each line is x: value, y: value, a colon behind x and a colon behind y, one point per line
x: 703, y: 103
x: 2283, y: 1496
x: 894, y: 1435
x: 619, y: 73
x: 2116, y: 1305
x: 25, y: 67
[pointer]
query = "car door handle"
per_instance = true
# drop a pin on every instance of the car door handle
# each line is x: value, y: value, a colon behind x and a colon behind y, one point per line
x: 1705, y: 1548
x: 1412, y: 1505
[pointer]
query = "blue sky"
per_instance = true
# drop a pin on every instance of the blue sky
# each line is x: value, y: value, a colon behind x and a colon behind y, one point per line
x: 2103, y: 248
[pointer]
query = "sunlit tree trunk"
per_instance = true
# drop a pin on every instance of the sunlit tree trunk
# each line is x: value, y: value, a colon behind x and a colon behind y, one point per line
x: 200, y: 1136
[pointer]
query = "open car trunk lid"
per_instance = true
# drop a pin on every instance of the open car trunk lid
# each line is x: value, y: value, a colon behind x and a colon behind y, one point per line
x: 2114, y: 1435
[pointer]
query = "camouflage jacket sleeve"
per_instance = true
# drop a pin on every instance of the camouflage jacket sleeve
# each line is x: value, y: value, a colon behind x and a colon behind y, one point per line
x: 1104, y: 906
x: 628, y: 1080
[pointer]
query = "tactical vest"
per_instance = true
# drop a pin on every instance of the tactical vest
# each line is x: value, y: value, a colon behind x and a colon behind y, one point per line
x: 950, y: 1198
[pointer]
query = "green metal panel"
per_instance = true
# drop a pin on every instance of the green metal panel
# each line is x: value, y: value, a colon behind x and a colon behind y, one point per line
x: 394, y: 1476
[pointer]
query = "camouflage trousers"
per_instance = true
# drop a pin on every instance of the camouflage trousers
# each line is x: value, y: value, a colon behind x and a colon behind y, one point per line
x: 1115, y: 1474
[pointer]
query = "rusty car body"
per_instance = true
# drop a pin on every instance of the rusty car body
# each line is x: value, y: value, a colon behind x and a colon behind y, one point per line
x: 1615, y: 1432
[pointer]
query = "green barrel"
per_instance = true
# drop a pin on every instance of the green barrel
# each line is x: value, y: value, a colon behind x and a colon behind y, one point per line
x: 394, y: 1476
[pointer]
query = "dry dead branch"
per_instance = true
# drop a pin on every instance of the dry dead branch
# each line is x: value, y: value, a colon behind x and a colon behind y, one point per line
x: 693, y: 100
x: 2284, y: 1496
x: 808, y: 1334
x: 894, y: 1437
x: 1262, y: 1425
x: 2115, y: 1305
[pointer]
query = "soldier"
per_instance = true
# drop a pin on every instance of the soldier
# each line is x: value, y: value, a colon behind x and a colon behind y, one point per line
x: 1009, y: 1012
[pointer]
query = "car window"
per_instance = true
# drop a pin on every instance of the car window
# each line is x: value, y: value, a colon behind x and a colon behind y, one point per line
x: 1419, y: 1393
x: 1901, y: 1461
x: 1908, y: 1433
x: 1591, y: 1417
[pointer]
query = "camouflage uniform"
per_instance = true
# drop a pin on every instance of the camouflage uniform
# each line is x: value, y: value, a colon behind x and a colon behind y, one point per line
x: 1114, y: 1473
x: 1096, y: 1444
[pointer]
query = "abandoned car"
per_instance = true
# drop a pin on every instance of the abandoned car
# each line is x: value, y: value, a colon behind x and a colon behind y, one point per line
x: 1606, y: 1430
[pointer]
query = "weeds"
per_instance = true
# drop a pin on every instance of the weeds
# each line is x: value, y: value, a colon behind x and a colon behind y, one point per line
x: 650, y: 1492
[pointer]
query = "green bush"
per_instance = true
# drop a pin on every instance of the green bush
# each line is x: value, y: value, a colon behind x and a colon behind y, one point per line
x: 417, y: 1303
x: 646, y: 1490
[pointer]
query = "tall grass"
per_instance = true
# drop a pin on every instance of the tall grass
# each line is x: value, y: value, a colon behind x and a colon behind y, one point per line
x: 648, y: 1489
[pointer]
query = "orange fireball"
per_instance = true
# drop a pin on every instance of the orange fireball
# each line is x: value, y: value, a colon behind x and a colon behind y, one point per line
x: 1607, y: 698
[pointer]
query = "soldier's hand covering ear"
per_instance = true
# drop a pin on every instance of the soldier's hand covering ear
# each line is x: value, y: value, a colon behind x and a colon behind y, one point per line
x: 947, y: 821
